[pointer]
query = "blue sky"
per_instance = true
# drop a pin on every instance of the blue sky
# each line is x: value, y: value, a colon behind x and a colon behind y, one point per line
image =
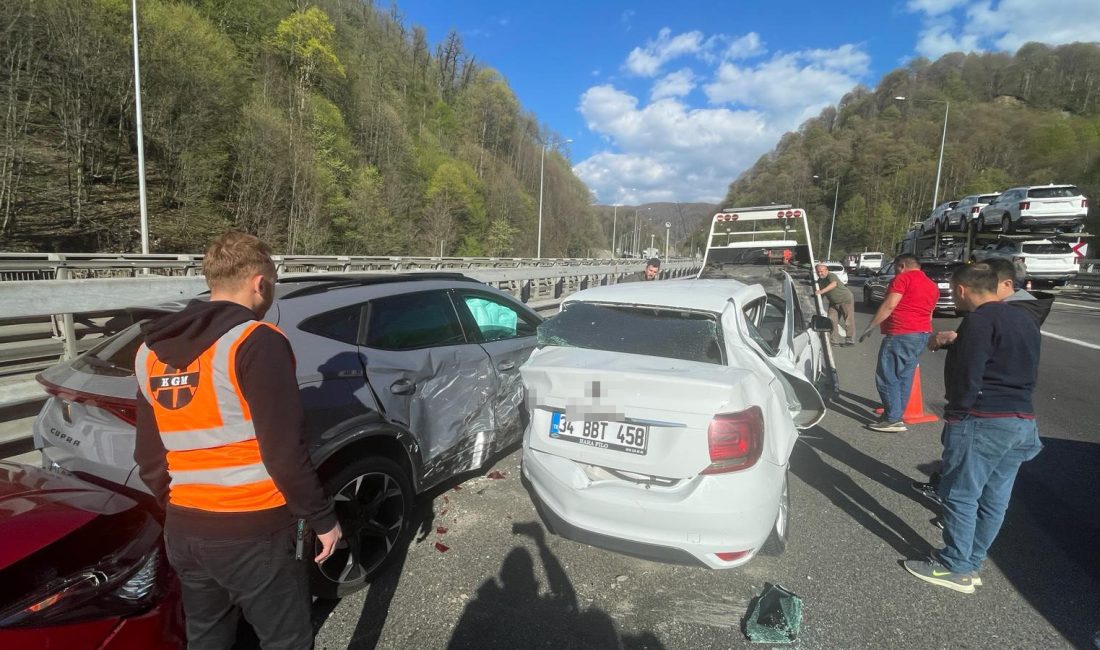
x: 672, y: 100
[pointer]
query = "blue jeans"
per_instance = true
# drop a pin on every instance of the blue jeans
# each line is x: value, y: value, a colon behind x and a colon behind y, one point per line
x: 897, y: 361
x: 981, y: 457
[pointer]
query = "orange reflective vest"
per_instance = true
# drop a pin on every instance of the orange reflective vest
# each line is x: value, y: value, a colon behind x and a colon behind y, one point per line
x: 213, y: 457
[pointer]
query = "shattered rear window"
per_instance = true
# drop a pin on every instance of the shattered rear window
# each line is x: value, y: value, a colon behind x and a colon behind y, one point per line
x: 652, y: 331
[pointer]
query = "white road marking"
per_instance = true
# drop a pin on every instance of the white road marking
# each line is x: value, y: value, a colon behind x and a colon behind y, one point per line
x: 1071, y: 304
x: 1073, y: 341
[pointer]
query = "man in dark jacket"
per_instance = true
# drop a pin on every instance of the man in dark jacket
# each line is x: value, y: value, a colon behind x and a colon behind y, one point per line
x: 219, y: 442
x: 989, y: 426
x: 1036, y: 304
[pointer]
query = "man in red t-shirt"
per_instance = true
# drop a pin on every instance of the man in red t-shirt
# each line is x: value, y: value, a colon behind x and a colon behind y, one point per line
x: 906, y: 321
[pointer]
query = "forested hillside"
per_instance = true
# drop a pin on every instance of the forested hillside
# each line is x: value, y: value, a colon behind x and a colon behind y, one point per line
x: 326, y: 127
x: 1032, y: 118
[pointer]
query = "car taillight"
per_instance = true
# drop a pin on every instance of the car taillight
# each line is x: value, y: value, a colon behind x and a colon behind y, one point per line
x: 731, y: 555
x: 975, y: 210
x: 1084, y: 203
x: 1025, y: 205
x: 735, y: 440
x: 123, y: 409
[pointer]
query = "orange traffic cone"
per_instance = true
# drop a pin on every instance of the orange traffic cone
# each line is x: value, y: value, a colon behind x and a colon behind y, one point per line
x: 914, y: 409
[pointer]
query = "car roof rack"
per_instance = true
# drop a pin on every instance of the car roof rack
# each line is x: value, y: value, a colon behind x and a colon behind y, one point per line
x: 322, y: 282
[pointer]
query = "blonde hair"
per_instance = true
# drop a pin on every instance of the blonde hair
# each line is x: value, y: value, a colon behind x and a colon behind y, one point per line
x: 233, y: 258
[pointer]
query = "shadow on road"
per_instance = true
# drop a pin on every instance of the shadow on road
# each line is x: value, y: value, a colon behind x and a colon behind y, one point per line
x: 837, y: 486
x: 1048, y: 545
x: 509, y: 611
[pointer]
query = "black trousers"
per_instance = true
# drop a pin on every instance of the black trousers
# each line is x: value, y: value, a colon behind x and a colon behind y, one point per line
x: 259, y: 577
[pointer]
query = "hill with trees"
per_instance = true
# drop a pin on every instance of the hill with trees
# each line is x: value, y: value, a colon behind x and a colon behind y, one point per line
x: 330, y: 127
x: 1028, y: 118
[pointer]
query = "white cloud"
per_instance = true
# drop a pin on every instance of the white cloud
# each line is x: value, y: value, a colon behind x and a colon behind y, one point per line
x: 647, y: 61
x: 669, y: 148
x: 933, y: 7
x: 746, y: 47
x: 969, y: 25
x: 790, y: 85
x: 677, y: 84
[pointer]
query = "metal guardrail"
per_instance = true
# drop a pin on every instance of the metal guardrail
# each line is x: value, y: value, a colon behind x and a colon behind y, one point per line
x: 1088, y: 273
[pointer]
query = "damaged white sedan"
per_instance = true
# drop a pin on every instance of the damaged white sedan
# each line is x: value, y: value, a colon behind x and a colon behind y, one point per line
x: 662, y: 416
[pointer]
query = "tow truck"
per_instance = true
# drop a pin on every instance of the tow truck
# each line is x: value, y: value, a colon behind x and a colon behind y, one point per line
x: 770, y: 245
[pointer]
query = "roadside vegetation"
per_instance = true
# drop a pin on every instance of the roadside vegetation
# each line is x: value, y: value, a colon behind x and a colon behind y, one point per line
x: 331, y: 129
x: 1028, y: 118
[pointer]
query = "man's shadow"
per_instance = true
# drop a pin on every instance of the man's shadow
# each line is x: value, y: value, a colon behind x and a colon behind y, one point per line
x: 509, y: 612
x: 837, y: 486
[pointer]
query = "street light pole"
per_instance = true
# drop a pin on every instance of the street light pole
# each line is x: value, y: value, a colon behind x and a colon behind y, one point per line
x: 634, y: 244
x: 832, y: 224
x: 943, y: 141
x: 614, y: 222
x: 140, y: 138
x: 542, y: 175
x: 668, y: 226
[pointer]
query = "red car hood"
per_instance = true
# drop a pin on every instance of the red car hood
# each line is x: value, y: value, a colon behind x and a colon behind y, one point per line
x: 39, y: 507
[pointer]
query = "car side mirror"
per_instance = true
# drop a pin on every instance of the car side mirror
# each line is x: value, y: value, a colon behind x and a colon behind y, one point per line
x: 820, y: 323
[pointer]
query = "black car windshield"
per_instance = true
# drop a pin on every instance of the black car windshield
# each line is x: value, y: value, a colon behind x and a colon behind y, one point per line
x: 1065, y: 192
x: 652, y: 331
x: 988, y: 198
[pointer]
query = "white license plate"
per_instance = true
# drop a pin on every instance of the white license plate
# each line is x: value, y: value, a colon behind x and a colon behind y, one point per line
x: 602, y: 434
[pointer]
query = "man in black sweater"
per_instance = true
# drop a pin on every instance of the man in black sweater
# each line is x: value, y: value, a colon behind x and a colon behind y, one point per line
x: 219, y: 442
x: 989, y: 428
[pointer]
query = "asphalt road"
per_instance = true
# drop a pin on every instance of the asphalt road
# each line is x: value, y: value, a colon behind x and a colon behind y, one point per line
x: 482, y: 571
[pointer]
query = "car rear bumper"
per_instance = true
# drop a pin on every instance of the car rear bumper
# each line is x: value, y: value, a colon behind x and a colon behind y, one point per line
x: 1051, y: 275
x: 691, y: 521
x: 1052, y: 220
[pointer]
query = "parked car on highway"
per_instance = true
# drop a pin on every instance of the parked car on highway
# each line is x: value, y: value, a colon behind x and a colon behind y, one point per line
x: 868, y: 262
x: 939, y: 271
x: 1036, y: 206
x: 406, y: 381
x: 81, y: 567
x: 662, y: 418
x: 935, y: 221
x: 1046, y: 260
x: 966, y: 211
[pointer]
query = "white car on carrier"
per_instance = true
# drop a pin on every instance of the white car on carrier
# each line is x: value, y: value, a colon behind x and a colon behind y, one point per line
x: 663, y: 415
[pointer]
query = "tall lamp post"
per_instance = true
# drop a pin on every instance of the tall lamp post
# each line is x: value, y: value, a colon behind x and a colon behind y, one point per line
x: 668, y: 226
x: 832, y: 224
x: 542, y: 175
x: 140, y: 136
x: 614, y: 222
x: 943, y: 140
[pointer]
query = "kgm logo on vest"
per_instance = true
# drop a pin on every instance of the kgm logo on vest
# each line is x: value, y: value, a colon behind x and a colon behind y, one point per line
x: 173, y: 388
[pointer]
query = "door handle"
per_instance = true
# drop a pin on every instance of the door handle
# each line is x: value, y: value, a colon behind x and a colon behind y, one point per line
x: 402, y: 387
x: 505, y: 366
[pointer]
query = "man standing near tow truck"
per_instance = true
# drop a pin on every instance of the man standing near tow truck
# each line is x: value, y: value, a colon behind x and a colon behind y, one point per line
x: 905, y: 317
x: 842, y: 304
x: 219, y: 443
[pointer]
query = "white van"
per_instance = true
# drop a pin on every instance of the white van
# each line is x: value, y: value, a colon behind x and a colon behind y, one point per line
x: 868, y: 263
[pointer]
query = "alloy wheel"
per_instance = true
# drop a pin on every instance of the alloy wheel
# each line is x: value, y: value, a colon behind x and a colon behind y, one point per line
x: 371, y: 510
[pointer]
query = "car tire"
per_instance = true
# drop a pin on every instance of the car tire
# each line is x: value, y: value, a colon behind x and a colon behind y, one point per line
x: 776, y: 543
x: 373, y: 498
x: 1006, y: 225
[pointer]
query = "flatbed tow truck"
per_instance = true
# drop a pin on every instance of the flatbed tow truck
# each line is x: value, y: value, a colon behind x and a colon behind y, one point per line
x: 770, y: 245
